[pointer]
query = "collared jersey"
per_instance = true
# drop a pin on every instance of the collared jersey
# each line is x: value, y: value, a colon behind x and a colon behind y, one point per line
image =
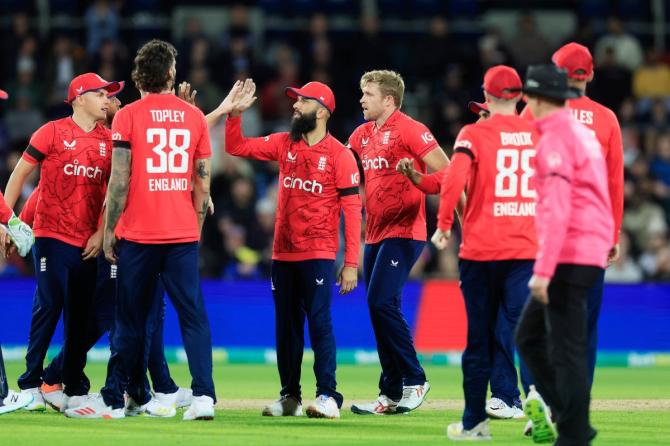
x: 394, y: 208
x: 74, y: 172
x: 165, y: 135
x: 499, y: 221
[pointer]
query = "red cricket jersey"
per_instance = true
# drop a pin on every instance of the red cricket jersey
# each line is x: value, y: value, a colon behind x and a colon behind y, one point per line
x: 165, y: 135
x: 394, y: 208
x: 496, y: 160
x: 315, y: 183
x: 5, y: 211
x: 75, y: 168
x: 604, y: 123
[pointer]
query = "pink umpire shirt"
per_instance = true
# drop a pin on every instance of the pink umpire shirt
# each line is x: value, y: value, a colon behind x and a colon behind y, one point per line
x: 574, y: 213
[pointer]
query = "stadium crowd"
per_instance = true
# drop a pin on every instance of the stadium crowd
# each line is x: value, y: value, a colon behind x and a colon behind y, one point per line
x: 442, y: 70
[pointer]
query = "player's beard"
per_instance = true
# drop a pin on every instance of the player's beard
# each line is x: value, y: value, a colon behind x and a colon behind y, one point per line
x: 302, y: 124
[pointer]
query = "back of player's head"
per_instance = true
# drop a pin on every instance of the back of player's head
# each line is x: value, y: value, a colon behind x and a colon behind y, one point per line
x: 576, y: 59
x: 153, y: 66
x: 502, y: 82
x: 390, y: 83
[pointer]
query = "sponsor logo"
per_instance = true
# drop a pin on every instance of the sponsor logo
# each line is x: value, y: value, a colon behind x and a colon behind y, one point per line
x: 113, y: 269
x: 79, y: 90
x: 43, y: 264
x: 116, y: 136
x: 322, y: 163
x: 394, y: 263
x: 355, y: 178
x: 103, y: 149
x: 427, y: 137
x: 365, y: 141
x: 69, y: 145
x: 79, y: 170
x: 266, y: 139
x: 462, y: 143
x: 375, y: 163
x: 386, y: 137
x: 292, y: 157
x: 319, y: 282
x: 312, y: 186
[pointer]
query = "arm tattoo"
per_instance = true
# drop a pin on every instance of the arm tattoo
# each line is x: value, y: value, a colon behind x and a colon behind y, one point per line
x: 203, y: 172
x: 117, y: 191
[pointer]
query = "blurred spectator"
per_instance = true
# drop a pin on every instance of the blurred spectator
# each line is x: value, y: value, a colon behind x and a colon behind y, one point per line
x: 102, y: 23
x: 611, y: 83
x: 655, y: 260
x: 65, y: 61
x: 624, y: 270
x: 652, y: 80
x: 492, y: 50
x: 26, y: 86
x: 642, y: 218
x: 22, y: 120
x: 529, y: 46
x: 209, y: 95
x: 626, y: 47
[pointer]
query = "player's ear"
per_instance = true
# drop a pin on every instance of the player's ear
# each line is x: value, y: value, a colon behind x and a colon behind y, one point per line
x: 590, y: 78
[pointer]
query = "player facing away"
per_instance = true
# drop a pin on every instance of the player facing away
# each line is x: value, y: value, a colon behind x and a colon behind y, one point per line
x: 74, y: 169
x: 21, y: 237
x: 166, y: 393
x: 493, y: 160
x: 318, y: 180
x: 156, y: 204
x: 575, y: 231
x: 602, y: 121
x: 395, y: 233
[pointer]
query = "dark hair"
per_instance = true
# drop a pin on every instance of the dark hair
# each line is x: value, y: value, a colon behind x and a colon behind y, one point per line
x: 152, y: 66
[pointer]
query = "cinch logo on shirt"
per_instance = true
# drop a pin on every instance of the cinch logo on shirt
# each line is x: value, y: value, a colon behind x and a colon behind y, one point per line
x: 312, y: 186
x: 375, y: 163
x: 82, y: 171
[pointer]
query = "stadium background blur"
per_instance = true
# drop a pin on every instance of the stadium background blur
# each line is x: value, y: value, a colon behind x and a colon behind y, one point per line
x: 441, y: 48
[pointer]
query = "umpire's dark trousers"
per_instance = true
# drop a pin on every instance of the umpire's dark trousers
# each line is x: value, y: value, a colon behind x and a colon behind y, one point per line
x: 552, y: 339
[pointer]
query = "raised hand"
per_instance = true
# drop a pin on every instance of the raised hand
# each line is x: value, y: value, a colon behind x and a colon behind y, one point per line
x: 186, y: 94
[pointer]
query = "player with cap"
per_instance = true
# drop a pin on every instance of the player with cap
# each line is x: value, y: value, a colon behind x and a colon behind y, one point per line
x: 602, y: 121
x: 21, y: 236
x: 74, y: 167
x: 166, y: 393
x: 152, y: 228
x: 318, y: 178
x: 575, y: 231
x: 493, y: 158
x: 395, y: 233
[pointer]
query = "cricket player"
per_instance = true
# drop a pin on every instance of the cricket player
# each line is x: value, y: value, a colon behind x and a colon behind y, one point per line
x: 395, y: 233
x: 575, y: 230
x: 74, y: 165
x: 156, y: 204
x: 493, y: 158
x: 318, y: 179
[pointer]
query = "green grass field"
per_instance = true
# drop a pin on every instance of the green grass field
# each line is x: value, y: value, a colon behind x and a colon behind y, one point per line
x: 631, y: 407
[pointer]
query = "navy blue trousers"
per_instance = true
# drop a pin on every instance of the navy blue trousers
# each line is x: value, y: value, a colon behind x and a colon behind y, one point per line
x: 102, y: 321
x: 303, y: 290
x: 490, y: 289
x: 140, y: 266
x: 386, y: 267
x: 65, y: 283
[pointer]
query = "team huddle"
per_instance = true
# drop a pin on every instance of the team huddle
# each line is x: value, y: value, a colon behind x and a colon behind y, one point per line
x: 538, y: 195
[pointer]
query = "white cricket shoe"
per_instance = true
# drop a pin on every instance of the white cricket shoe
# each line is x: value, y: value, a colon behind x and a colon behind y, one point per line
x: 155, y: 408
x: 95, y: 407
x: 543, y: 430
x: 480, y: 432
x: 181, y: 398
x: 383, y: 405
x: 412, y: 397
x: 498, y: 409
x: 323, y: 407
x: 15, y: 401
x: 202, y: 408
x: 131, y: 408
x: 53, y: 396
x: 21, y: 234
x: 38, y: 404
x: 286, y: 406
x: 73, y: 402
